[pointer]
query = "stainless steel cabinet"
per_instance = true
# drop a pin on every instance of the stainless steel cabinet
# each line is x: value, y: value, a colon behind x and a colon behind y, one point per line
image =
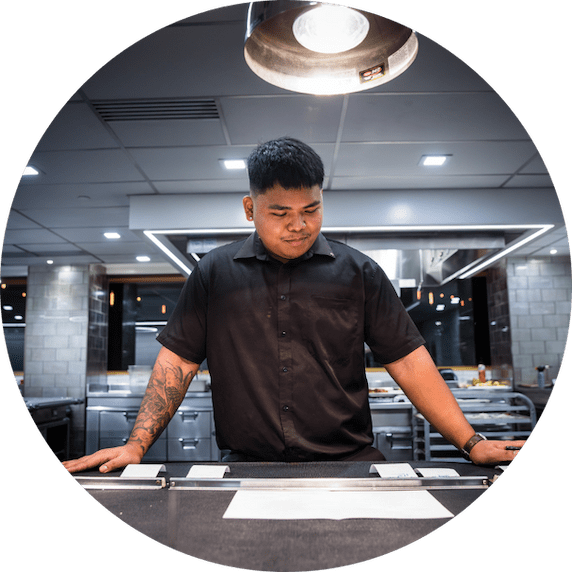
x: 392, y: 430
x: 188, y: 437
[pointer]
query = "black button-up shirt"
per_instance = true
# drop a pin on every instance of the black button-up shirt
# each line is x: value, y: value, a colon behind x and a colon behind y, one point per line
x: 285, y: 345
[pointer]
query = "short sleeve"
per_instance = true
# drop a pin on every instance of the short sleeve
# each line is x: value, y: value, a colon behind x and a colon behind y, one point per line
x: 389, y: 330
x: 185, y: 332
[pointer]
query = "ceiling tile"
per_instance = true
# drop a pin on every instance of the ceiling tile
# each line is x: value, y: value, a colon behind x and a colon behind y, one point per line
x: 95, y: 166
x: 51, y: 248
x: 76, y: 127
x: 169, y: 133
x: 312, y: 119
x: 35, y: 196
x: 202, y: 60
x: 529, y: 181
x: 468, y: 158
x: 133, y: 249
x: 189, y: 163
x: 73, y: 217
x: 17, y: 221
x: 239, y: 184
x: 418, y: 182
x: 535, y: 167
x: 95, y: 235
x: 430, y: 117
x: 31, y: 236
x: 435, y: 69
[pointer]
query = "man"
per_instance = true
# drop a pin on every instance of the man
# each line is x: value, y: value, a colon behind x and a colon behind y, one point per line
x: 282, y: 318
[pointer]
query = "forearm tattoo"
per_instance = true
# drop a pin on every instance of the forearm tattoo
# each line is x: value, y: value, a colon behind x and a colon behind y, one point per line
x: 164, y: 394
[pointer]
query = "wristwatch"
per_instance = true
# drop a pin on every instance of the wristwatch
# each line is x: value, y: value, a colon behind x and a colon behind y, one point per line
x: 468, y: 447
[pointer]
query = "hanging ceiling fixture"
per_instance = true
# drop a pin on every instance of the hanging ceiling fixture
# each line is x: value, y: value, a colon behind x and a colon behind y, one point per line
x: 325, y: 49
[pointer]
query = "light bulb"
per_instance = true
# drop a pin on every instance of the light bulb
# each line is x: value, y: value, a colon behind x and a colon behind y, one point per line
x: 330, y: 29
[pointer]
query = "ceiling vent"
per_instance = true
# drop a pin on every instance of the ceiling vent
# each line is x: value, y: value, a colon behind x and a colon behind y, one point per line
x: 156, y: 109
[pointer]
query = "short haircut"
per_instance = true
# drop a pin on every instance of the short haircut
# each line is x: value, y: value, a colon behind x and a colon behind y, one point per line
x: 286, y: 161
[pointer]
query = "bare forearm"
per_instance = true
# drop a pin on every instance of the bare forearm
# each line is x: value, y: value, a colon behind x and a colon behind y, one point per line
x: 422, y: 383
x: 166, y: 390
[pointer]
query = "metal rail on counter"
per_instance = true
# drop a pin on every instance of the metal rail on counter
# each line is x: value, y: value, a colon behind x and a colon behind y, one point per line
x: 122, y: 483
x: 234, y: 484
x: 346, y: 484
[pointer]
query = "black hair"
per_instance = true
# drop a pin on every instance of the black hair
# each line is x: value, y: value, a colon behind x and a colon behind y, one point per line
x: 286, y: 161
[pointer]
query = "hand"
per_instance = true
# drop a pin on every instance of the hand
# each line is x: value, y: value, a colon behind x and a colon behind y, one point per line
x: 106, y: 459
x: 493, y: 452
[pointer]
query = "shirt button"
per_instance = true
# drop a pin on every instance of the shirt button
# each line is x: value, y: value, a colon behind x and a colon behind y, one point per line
x: 285, y: 408
x: 282, y: 297
x: 283, y: 334
x: 284, y: 369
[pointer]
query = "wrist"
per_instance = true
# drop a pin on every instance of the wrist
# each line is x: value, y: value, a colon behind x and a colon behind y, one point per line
x: 468, y: 446
x: 136, y: 447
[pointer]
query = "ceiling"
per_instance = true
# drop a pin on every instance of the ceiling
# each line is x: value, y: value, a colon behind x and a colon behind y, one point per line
x: 94, y: 160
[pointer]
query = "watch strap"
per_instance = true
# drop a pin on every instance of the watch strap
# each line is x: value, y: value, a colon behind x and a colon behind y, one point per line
x: 468, y: 446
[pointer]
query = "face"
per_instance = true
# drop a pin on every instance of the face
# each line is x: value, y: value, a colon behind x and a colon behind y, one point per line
x: 288, y: 221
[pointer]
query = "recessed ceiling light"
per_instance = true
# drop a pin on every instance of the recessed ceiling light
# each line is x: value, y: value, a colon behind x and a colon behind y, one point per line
x: 143, y: 259
x: 8, y: 308
x: 434, y: 160
x: 112, y: 235
x: 234, y: 164
x: 30, y: 171
x: 554, y: 251
x: 18, y: 317
x: 49, y: 261
x: 440, y: 307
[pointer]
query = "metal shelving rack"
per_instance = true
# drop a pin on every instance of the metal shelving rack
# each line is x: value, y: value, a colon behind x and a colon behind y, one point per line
x: 496, y: 413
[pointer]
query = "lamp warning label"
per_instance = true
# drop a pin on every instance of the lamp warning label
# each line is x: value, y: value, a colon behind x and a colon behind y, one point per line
x: 372, y: 73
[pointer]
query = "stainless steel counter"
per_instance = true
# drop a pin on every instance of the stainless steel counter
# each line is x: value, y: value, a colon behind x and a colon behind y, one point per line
x: 193, y: 522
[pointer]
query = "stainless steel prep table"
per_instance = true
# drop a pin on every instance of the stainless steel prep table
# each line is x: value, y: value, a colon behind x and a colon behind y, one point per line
x: 191, y: 521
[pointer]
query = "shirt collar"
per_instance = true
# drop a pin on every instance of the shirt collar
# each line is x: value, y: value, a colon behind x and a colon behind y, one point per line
x: 253, y: 248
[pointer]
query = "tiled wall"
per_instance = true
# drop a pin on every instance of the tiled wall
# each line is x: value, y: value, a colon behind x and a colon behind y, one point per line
x: 539, y: 293
x: 499, y: 319
x: 66, y: 336
x: 96, y: 369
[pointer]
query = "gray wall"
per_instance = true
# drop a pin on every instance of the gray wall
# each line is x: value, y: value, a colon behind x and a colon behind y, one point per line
x: 66, y: 336
x: 539, y: 292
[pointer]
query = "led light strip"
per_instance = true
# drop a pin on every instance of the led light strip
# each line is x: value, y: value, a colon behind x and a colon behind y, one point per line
x: 157, y: 242
x: 470, y: 270
x: 506, y: 251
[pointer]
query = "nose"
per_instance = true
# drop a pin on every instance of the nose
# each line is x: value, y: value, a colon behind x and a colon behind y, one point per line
x: 296, y: 222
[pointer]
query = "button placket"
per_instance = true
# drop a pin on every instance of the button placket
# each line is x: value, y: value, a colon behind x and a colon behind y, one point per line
x: 285, y: 353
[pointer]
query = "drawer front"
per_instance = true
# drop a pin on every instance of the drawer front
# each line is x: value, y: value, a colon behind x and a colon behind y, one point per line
x: 189, y: 449
x: 188, y: 423
x: 158, y: 451
x: 397, y: 417
x: 116, y: 424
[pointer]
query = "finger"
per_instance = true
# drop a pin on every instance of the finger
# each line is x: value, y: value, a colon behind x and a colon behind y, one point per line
x: 120, y: 458
x: 87, y: 462
x: 112, y: 465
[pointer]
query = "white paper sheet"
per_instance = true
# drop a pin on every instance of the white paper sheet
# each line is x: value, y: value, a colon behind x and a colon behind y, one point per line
x: 393, y: 470
x: 208, y: 471
x: 149, y: 471
x: 336, y: 505
x: 437, y: 472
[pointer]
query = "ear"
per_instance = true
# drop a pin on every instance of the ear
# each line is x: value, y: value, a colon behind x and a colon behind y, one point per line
x: 248, y: 205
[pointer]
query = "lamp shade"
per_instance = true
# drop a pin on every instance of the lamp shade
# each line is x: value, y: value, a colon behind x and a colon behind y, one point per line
x: 276, y: 50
